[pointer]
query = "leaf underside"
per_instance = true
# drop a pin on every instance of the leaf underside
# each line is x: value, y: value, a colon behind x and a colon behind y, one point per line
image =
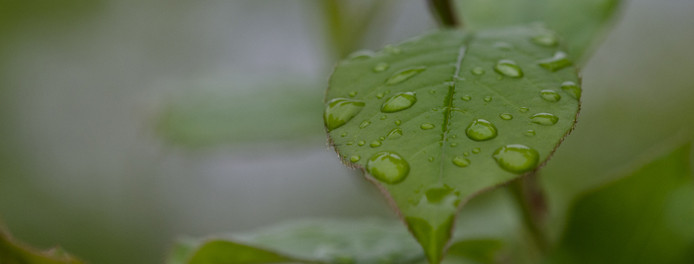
x: 405, y: 115
x: 645, y: 217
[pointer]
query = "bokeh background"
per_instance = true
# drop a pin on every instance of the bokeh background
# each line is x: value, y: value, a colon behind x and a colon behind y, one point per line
x: 125, y: 124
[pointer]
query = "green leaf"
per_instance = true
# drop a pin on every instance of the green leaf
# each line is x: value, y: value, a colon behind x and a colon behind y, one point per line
x: 14, y: 252
x: 578, y: 22
x: 309, y: 241
x: 645, y: 217
x: 441, y: 118
x: 482, y: 251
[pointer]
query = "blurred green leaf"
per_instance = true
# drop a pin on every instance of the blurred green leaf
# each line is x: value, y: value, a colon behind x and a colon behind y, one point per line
x: 441, y: 118
x: 482, y: 251
x: 579, y: 22
x: 211, y: 117
x: 645, y: 217
x: 14, y: 252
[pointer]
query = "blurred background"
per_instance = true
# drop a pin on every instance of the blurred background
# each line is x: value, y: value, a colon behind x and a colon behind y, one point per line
x: 125, y: 124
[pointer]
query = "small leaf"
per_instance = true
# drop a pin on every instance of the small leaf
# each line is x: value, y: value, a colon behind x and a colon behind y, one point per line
x: 579, y: 22
x: 481, y: 251
x: 645, y: 217
x: 462, y: 129
x: 14, y: 252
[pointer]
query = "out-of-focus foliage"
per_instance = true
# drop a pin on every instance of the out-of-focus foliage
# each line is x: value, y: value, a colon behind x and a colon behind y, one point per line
x: 14, y: 252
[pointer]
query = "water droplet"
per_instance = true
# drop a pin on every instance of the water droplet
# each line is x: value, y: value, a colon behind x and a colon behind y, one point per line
x: 353, y: 93
x: 360, y: 55
x: 503, y: 46
x: 381, y: 66
x: 572, y: 88
x: 546, y: 39
x: 454, y: 145
x: 379, y: 95
x: 426, y: 126
x: 545, y: 119
x: 388, y: 167
x: 361, y: 143
x: 339, y: 111
x: 375, y: 144
x: 397, y: 122
x: 506, y: 116
x: 461, y: 162
x: 550, y: 96
x: 530, y: 132
x: 438, y: 194
x: 487, y: 99
x: 431, y: 159
x: 344, y: 134
x: 508, y: 68
x: 354, y: 158
x: 466, y: 154
x: 383, y: 117
x: 404, y: 75
x: 392, y: 49
x: 481, y: 130
x: 476, y: 150
x: 523, y: 109
x: 516, y: 158
x: 381, y: 138
x: 399, y: 102
x: 365, y: 124
x: 477, y: 71
x: 466, y: 98
x: 432, y: 91
x: 558, y: 62
x: 395, y: 133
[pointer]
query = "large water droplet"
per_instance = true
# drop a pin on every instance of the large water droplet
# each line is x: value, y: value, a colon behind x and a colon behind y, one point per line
x: 508, y: 68
x: 339, y: 111
x: 558, y: 62
x: 461, y: 161
x: 477, y: 71
x: 395, y: 133
x: 364, y: 124
x: 399, y: 102
x: 550, y: 95
x: 382, y: 66
x: 506, y: 116
x: 546, y: 39
x: 516, y: 158
x: 426, y: 126
x: 572, y: 88
x: 545, y: 119
x: 403, y: 75
x: 481, y: 130
x: 388, y: 167
x: 354, y: 158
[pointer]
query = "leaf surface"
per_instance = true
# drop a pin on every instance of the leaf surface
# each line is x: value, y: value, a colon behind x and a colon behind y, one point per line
x: 580, y: 23
x: 645, y: 217
x: 438, y: 119
x: 14, y: 252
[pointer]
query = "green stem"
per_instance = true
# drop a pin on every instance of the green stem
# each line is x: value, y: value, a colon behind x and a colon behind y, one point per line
x: 530, y: 201
x: 445, y: 12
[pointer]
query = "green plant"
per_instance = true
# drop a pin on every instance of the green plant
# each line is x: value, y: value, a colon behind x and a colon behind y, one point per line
x: 443, y: 118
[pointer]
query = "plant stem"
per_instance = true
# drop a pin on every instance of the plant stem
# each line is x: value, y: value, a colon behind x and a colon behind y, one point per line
x: 445, y: 12
x: 530, y: 201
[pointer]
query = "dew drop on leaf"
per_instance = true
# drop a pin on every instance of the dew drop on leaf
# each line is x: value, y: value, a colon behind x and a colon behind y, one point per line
x: 404, y: 75
x: 550, y: 95
x: 508, y: 68
x: 487, y: 99
x: 388, y: 167
x: 481, y: 130
x: 530, y: 132
x: 399, y: 102
x: 353, y: 94
x: 361, y: 143
x: 506, y: 116
x: 461, y: 161
x: 397, y: 122
x: 395, y: 133
x: 354, y: 158
x: 476, y: 150
x: 572, y: 88
x: 516, y: 158
x: 340, y: 110
x: 375, y: 144
x: 360, y: 55
x: 545, y: 119
x: 558, y: 62
x: 546, y: 39
x: 523, y: 109
x: 477, y: 71
x: 466, y: 98
x: 382, y: 66
x: 426, y: 126
x: 364, y: 124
